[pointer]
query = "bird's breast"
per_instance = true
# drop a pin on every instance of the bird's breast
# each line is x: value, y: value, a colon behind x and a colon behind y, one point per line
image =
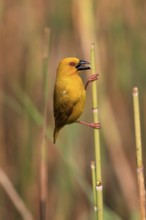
x: 70, y: 91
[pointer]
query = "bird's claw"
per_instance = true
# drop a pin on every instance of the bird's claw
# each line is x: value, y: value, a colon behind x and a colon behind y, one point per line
x: 92, y: 78
x: 92, y: 125
x: 95, y: 125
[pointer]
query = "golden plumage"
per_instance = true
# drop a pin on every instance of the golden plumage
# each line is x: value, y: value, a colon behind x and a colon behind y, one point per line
x: 69, y: 92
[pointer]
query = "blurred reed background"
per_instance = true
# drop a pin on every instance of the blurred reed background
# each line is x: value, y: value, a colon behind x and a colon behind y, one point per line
x: 118, y: 29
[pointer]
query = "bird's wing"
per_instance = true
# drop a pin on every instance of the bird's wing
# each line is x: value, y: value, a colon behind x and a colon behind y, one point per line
x: 63, y: 108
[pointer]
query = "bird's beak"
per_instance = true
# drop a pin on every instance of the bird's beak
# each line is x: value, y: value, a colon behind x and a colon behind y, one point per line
x: 83, y: 65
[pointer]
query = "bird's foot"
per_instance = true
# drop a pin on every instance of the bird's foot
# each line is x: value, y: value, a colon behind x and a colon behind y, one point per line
x: 92, y: 125
x: 91, y: 79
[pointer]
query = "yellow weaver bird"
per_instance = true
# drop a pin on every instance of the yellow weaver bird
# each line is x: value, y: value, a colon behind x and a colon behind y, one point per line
x: 70, y: 93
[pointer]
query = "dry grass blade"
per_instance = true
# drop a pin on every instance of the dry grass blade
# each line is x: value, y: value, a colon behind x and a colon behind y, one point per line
x: 16, y: 199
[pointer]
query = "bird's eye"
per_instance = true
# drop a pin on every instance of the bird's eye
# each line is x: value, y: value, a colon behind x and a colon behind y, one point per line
x: 72, y: 64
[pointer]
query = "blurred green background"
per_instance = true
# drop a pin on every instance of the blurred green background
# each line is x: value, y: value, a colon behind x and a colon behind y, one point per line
x: 118, y: 29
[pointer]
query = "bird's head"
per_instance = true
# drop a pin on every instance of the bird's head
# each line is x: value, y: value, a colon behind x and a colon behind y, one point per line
x: 71, y: 66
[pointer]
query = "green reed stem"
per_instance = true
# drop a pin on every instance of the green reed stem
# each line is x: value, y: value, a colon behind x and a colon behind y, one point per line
x: 140, y: 174
x: 93, y: 171
x: 99, y: 196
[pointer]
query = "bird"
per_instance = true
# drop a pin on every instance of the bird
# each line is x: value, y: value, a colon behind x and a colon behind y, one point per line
x: 70, y: 93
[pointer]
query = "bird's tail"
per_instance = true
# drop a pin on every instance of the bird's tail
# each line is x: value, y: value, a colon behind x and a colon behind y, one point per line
x: 55, y: 134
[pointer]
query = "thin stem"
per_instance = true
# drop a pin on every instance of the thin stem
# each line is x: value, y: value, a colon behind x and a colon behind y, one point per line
x: 43, y: 149
x: 14, y: 196
x: 140, y: 174
x: 97, y: 140
x: 93, y: 171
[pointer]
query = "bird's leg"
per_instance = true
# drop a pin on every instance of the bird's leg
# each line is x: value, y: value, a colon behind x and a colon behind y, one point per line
x: 92, y: 125
x: 91, y: 79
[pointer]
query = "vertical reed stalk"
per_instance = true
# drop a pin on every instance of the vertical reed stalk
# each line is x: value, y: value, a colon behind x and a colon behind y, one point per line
x: 99, y: 196
x: 93, y: 171
x: 140, y: 174
x: 43, y: 149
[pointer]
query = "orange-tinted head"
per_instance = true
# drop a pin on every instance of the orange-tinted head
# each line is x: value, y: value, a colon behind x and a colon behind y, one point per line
x: 71, y: 65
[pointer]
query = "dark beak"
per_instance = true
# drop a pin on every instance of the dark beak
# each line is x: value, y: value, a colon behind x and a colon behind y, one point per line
x: 83, y: 65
